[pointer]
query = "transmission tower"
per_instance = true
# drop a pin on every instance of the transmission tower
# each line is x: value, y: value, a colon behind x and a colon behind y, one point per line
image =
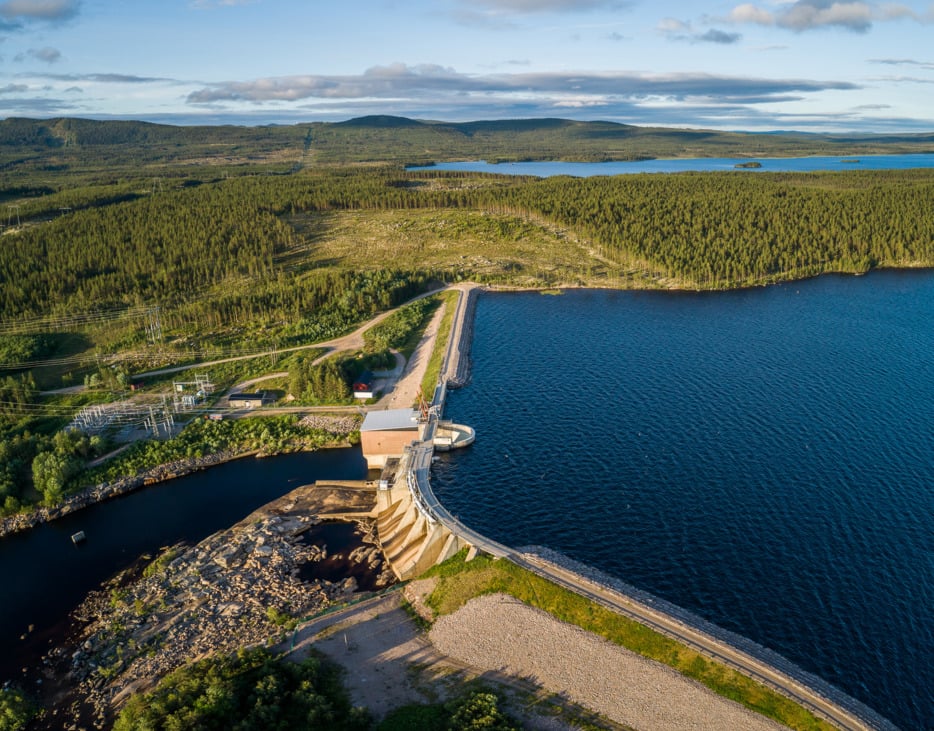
x: 154, y: 326
x: 12, y: 209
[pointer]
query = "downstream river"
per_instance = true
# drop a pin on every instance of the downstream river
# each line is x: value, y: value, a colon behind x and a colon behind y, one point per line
x: 45, y: 576
x: 763, y: 457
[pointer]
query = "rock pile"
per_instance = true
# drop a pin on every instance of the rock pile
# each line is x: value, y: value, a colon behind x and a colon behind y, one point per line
x: 237, y: 588
x: 341, y: 425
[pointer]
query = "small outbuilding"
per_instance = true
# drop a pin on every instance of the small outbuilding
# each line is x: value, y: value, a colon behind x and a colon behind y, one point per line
x: 363, y: 386
x: 243, y: 400
x: 385, y: 434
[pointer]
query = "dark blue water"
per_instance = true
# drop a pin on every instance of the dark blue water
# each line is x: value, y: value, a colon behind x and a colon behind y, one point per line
x: 44, y: 576
x: 769, y: 164
x: 764, y: 458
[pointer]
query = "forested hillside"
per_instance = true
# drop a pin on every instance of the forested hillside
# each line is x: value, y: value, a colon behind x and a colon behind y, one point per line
x: 108, y: 224
x: 228, y: 251
x: 95, y: 149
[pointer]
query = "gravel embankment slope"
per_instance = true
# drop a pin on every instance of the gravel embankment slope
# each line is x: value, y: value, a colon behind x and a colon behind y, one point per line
x: 499, y: 632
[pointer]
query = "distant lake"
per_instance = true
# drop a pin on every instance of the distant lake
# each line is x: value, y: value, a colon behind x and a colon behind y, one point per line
x: 761, y: 457
x: 700, y: 164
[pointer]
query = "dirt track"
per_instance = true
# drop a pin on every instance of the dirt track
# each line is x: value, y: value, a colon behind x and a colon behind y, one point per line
x: 389, y: 662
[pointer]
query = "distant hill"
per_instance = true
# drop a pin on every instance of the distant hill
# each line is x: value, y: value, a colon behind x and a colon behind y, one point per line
x: 380, y: 120
x: 64, y: 131
x: 385, y: 138
x: 398, y: 139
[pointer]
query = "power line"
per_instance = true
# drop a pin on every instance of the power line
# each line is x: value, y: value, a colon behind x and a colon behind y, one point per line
x: 63, y: 322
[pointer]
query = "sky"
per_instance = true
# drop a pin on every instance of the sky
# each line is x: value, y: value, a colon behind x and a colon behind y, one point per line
x: 809, y: 65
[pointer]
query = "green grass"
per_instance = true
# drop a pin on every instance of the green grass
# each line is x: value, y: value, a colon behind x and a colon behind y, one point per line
x: 461, y: 581
x: 459, y: 244
x: 432, y: 717
x: 160, y: 563
x: 433, y: 369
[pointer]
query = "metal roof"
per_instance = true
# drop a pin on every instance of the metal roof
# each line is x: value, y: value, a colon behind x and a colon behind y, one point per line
x: 390, y: 419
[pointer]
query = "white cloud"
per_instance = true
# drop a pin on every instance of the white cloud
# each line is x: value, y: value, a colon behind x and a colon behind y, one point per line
x: 749, y: 13
x: 544, y: 6
x: 439, y: 85
x: 853, y: 15
x: 679, y: 30
x: 48, y: 10
x: 673, y: 25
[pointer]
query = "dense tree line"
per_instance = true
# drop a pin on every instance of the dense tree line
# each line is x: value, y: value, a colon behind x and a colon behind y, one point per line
x: 328, y: 382
x: 726, y: 229
x: 250, y: 690
x: 143, y: 251
x: 702, y: 229
x: 200, y: 437
x: 222, y: 252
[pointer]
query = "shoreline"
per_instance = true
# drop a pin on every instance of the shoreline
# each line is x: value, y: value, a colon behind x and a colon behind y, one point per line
x: 105, y: 491
x: 108, y: 490
x: 244, y: 585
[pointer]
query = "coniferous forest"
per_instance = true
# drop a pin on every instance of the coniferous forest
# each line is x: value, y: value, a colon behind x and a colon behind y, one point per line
x: 245, y: 240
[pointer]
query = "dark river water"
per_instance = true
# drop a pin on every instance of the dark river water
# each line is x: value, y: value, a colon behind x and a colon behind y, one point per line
x: 764, y: 458
x: 44, y: 576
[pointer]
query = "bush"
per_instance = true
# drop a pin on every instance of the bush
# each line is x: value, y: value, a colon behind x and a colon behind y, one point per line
x: 480, y: 710
x: 251, y: 690
x: 476, y: 710
x: 16, y: 711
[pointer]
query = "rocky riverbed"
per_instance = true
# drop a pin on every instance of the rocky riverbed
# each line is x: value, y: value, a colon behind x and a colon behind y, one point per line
x: 239, y: 587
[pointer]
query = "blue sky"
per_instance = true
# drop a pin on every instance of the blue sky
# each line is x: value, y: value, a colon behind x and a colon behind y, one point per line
x: 812, y: 65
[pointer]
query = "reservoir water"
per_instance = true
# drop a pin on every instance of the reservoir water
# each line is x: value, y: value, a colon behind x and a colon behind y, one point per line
x: 45, y: 576
x: 763, y: 457
x: 700, y: 164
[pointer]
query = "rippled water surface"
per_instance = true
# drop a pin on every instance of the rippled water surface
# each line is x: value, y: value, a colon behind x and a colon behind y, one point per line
x: 764, y: 458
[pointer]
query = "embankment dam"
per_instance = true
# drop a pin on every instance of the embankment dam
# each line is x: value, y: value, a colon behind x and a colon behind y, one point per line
x: 416, y: 532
